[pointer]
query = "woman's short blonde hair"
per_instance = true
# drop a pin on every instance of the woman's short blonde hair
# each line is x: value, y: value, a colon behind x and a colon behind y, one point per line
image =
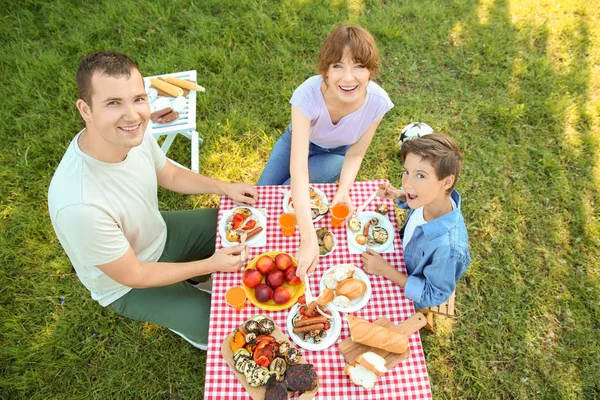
x: 361, y: 44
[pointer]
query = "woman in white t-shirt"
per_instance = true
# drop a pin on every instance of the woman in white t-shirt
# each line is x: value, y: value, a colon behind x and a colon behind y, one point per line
x: 334, y: 117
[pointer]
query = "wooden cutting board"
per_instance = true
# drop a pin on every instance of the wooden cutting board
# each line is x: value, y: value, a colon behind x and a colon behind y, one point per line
x: 351, y: 350
x: 258, y: 393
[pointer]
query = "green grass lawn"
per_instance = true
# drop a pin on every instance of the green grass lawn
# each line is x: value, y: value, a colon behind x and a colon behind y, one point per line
x: 516, y: 83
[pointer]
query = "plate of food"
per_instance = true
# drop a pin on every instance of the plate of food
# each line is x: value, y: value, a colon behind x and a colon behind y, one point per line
x: 240, y: 221
x: 314, y: 331
x: 319, y: 204
x: 266, y: 363
x: 346, y: 287
x: 370, y: 230
x: 327, y: 241
x: 270, y: 281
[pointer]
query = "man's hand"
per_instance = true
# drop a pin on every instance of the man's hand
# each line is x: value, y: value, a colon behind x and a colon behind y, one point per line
x: 229, y: 259
x: 343, y: 197
x: 242, y: 193
x: 307, y: 257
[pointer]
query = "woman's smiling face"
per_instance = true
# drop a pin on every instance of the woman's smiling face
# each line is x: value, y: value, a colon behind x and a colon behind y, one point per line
x: 348, y: 79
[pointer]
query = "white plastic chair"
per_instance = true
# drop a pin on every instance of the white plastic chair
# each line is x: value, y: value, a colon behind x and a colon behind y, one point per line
x: 185, y: 125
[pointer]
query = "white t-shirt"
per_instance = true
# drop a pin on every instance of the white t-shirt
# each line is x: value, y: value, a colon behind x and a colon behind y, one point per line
x: 309, y: 99
x: 99, y: 210
x: 416, y: 219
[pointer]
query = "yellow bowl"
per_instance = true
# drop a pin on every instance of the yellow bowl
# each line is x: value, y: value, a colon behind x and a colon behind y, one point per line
x: 295, y: 290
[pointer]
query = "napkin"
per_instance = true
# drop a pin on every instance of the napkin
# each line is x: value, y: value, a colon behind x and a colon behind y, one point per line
x: 353, y: 249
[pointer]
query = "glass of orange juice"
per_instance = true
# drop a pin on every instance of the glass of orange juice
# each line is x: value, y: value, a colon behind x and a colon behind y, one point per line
x: 236, y: 297
x: 339, y: 213
x: 287, y: 222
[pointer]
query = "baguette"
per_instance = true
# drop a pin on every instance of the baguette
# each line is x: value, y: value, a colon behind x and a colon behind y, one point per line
x: 182, y: 83
x: 167, y: 87
x: 361, y: 376
x: 373, y: 335
x: 373, y: 362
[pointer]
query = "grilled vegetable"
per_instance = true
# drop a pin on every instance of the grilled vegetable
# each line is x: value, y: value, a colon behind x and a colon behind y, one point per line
x: 238, y: 341
x: 266, y: 326
x: 279, y: 366
x: 293, y: 356
x: 354, y: 224
x: 241, y: 353
x: 252, y: 327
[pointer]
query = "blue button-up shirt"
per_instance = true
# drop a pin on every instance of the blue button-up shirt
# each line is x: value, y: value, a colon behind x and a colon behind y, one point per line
x: 436, y: 257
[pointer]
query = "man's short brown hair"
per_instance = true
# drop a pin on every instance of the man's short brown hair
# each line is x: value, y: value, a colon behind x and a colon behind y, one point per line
x: 361, y: 44
x: 439, y: 150
x: 110, y: 63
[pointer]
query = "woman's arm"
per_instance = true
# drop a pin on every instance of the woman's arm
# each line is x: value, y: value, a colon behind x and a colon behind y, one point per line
x: 308, y: 252
x: 352, y: 162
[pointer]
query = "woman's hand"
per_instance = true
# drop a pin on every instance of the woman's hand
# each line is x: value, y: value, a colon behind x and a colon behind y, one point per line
x: 307, y: 256
x: 242, y: 193
x: 343, y: 197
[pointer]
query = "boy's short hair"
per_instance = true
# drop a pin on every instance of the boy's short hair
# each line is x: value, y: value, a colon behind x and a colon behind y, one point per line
x: 110, y: 63
x: 361, y: 44
x: 439, y: 150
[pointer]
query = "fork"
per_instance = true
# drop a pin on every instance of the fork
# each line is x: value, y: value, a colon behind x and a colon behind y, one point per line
x: 244, y: 253
x: 307, y: 294
x: 366, y: 203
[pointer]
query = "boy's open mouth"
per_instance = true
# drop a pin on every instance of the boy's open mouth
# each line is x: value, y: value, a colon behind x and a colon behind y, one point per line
x: 411, y: 196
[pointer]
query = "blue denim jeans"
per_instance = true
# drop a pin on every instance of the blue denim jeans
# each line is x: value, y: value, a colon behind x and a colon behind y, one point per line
x: 324, y: 165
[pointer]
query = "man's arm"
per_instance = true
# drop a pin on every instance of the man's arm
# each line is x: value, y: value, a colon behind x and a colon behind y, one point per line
x: 129, y: 271
x: 184, y: 181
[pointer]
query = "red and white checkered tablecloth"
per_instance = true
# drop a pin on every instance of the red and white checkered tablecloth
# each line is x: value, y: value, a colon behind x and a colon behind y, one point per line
x: 409, y: 380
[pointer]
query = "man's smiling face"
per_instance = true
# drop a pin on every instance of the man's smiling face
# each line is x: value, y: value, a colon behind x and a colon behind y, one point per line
x: 119, y: 112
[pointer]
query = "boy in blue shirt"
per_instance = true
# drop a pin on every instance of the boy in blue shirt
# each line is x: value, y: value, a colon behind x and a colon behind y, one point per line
x: 434, y: 236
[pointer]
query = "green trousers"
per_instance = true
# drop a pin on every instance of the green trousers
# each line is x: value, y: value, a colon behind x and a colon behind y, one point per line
x: 180, y: 307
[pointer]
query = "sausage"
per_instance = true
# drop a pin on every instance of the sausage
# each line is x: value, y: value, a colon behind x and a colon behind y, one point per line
x: 170, y: 117
x: 254, y: 232
x: 310, y: 321
x: 157, y: 115
x: 366, y: 228
x: 308, y: 328
x: 310, y: 310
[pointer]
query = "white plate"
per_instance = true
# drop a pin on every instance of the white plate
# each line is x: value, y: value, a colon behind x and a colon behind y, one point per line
x: 355, y: 304
x: 288, y: 195
x: 384, y: 222
x: 332, y: 335
x: 334, y: 241
x: 152, y: 94
x: 262, y: 221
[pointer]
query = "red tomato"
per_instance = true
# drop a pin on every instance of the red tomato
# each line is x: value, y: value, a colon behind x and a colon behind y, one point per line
x: 302, y: 299
x: 251, y: 224
x: 238, y: 219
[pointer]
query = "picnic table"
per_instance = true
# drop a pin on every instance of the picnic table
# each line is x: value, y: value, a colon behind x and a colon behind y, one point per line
x: 409, y: 380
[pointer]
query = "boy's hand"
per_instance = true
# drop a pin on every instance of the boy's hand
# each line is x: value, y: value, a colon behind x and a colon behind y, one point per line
x: 374, y: 264
x: 387, y: 191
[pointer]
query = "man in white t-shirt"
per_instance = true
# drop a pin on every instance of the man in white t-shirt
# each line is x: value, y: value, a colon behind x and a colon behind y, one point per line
x: 103, y: 204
